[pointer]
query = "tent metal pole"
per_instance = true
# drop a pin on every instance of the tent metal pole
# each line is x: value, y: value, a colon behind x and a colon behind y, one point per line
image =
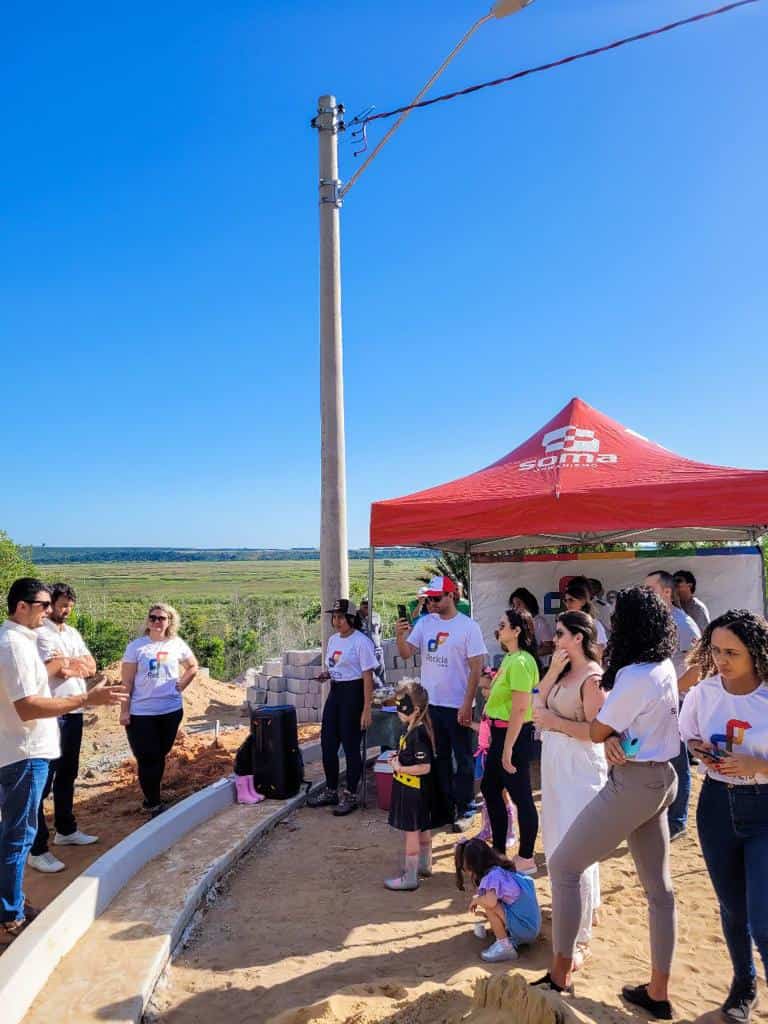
x: 468, y: 553
x: 371, y: 560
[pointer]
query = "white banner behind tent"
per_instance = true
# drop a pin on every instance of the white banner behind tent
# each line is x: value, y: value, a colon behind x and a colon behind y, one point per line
x: 732, y: 580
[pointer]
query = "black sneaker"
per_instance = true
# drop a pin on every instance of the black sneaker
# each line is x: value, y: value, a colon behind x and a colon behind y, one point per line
x: 661, y: 1009
x: 741, y: 1001
x: 346, y: 805
x: 325, y: 798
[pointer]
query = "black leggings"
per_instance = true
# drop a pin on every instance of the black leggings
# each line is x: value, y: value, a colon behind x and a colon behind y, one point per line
x: 495, y: 779
x: 341, y: 725
x: 151, y: 738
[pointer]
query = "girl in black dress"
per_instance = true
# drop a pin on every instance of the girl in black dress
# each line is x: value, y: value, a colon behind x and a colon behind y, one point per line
x: 411, y: 806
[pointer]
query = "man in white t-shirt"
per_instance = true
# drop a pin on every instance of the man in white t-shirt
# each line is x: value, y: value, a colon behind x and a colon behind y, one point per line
x: 688, y: 635
x: 452, y: 651
x: 29, y: 740
x: 69, y: 664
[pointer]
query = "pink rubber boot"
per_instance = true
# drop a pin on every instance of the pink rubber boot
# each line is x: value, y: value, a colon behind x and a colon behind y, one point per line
x: 257, y: 796
x: 245, y: 795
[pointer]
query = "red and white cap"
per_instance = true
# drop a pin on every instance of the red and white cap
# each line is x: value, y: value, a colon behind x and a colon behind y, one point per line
x: 440, y: 585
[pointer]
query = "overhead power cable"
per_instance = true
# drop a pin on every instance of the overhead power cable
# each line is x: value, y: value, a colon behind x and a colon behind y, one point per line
x: 366, y: 120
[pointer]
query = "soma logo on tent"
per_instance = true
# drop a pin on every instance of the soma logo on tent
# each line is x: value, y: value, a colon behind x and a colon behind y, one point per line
x: 569, y: 446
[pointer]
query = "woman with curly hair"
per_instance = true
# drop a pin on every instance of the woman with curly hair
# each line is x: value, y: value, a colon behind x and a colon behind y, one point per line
x: 725, y: 720
x: 157, y: 667
x: 637, y: 725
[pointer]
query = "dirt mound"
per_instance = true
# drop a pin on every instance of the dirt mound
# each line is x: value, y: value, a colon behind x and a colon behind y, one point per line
x: 495, y: 1000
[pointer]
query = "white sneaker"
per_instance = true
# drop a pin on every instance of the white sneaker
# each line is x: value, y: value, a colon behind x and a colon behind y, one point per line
x: 74, y: 839
x: 46, y: 863
x: 502, y: 949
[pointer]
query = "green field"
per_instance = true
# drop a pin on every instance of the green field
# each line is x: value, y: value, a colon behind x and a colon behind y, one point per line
x: 102, y: 583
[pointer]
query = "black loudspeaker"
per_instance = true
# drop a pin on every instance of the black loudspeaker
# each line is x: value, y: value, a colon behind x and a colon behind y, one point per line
x: 277, y: 762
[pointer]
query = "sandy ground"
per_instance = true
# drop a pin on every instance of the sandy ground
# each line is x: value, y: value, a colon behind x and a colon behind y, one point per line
x: 304, y: 932
x: 108, y: 798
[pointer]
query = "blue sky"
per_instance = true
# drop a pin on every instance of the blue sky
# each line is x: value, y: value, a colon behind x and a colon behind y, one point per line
x: 597, y: 230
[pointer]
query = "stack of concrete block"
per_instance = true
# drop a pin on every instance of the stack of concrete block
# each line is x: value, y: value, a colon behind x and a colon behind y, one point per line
x: 303, y: 688
x: 398, y: 668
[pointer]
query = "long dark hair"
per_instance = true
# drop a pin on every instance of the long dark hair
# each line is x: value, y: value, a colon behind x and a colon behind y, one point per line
x: 751, y: 629
x: 581, y: 592
x: 583, y: 624
x: 524, y: 595
x: 477, y: 858
x: 526, y: 640
x: 642, y: 630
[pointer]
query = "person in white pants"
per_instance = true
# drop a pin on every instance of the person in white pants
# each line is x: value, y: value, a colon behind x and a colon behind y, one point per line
x: 573, y: 768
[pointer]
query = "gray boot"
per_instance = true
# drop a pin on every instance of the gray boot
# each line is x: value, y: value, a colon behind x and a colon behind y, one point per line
x: 409, y: 880
x: 425, y: 860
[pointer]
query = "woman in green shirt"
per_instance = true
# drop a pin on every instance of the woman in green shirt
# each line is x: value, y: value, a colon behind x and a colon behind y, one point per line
x: 510, y: 713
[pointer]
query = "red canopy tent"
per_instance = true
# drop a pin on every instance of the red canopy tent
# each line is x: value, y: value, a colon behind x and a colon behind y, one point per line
x: 581, y: 479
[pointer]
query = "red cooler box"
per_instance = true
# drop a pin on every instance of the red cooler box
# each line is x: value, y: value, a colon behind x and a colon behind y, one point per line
x: 382, y: 773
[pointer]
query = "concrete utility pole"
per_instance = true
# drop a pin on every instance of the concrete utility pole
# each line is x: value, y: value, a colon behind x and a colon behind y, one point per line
x: 334, y: 558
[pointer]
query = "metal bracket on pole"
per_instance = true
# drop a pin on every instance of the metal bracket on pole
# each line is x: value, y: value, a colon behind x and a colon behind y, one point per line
x: 333, y: 195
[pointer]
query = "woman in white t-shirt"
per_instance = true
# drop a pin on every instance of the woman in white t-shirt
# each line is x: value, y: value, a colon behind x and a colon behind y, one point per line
x: 349, y: 665
x: 157, y: 667
x: 638, y: 726
x: 724, y: 720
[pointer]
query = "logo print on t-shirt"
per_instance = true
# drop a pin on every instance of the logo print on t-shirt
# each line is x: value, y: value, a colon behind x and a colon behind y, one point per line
x: 733, y: 735
x: 440, y: 639
x: 335, y: 657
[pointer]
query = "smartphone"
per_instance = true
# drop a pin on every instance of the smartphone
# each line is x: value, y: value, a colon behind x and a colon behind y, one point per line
x: 402, y: 612
x: 713, y: 755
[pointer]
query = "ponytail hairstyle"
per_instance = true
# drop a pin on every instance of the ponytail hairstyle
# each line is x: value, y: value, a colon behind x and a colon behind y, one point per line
x: 477, y: 858
x: 526, y: 639
x: 420, y: 700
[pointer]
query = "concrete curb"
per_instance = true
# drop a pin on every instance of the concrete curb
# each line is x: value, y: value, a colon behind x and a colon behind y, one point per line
x: 27, y: 964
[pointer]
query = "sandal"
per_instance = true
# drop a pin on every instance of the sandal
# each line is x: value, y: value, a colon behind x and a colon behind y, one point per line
x: 10, y: 930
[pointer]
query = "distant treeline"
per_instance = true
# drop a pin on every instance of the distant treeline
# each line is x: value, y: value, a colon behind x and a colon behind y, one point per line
x: 46, y: 556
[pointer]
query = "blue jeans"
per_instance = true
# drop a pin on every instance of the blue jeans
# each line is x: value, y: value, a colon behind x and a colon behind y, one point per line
x: 21, y: 787
x: 677, y: 814
x: 733, y: 831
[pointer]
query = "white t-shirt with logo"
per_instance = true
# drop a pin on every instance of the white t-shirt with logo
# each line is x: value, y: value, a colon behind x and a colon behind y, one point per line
x: 688, y: 633
x: 642, y: 709
x: 67, y: 641
x: 738, y: 721
x: 158, y: 670
x: 23, y: 674
x: 347, y: 657
x: 446, y: 645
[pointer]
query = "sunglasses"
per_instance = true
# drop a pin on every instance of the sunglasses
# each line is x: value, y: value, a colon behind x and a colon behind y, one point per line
x: 43, y: 604
x: 158, y: 618
x: 431, y: 597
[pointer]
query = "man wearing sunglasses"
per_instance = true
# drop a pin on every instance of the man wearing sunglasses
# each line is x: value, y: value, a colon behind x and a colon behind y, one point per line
x: 29, y: 740
x: 452, y: 651
x: 69, y: 664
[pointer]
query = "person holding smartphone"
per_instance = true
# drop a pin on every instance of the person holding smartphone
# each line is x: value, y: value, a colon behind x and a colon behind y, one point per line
x: 724, y: 720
